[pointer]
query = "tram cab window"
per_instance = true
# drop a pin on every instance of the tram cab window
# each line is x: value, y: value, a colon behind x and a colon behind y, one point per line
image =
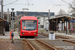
x: 29, y: 24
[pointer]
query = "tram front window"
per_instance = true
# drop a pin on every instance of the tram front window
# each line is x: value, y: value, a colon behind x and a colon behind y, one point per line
x: 29, y: 24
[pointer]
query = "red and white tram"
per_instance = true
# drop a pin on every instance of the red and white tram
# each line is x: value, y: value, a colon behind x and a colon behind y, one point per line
x: 28, y: 26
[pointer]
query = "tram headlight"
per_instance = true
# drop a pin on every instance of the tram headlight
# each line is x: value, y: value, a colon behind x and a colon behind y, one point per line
x: 35, y: 33
x: 22, y: 33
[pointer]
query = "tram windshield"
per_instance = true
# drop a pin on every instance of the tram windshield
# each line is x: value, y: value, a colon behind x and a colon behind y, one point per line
x: 29, y: 24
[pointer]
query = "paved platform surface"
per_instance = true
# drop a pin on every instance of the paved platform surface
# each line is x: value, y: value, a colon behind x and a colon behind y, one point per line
x: 72, y: 35
x: 7, y: 35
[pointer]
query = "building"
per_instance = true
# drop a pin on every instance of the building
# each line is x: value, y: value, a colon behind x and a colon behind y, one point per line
x: 33, y: 13
x: 4, y: 22
x: 42, y: 17
x: 43, y: 22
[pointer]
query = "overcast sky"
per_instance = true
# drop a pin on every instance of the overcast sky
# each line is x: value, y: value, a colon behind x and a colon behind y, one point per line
x: 38, y: 5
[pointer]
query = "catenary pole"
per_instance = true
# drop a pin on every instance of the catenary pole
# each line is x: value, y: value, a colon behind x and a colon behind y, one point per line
x: 12, y: 34
x: 8, y: 15
x: 12, y: 18
x: 48, y: 20
x: 1, y: 8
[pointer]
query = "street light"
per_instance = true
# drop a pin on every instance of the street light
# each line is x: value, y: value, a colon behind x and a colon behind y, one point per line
x: 25, y: 9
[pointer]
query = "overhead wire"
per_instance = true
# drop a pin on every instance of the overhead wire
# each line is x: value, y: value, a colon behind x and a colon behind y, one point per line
x: 52, y: 7
x: 41, y: 14
x: 44, y: 9
x: 18, y: 3
x: 10, y: 3
x: 48, y: 5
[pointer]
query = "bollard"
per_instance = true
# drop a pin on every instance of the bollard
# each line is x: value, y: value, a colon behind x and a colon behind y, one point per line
x: 12, y: 35
x: 3, y: 31
x: 52, y: 36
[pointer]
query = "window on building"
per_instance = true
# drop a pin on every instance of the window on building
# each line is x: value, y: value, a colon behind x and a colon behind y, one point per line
x: 42, y: 26
x: 38, y: 22
x: 37, y: 17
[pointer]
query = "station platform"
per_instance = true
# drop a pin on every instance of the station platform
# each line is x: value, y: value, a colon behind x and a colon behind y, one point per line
x: 68, y: 35
x: 7, y: 35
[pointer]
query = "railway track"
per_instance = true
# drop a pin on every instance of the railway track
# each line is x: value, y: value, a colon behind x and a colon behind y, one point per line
x: 72, y: 42
x: 43, y: 34
x: 59, y: 37
x: 39, y: 45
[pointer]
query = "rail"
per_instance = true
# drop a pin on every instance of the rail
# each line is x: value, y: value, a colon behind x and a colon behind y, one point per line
x: 30, y: 45
x: 69, y: 41
x: 51, y: 47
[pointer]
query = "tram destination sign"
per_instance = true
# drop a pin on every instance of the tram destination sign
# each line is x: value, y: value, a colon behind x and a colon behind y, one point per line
x: 28, y: 21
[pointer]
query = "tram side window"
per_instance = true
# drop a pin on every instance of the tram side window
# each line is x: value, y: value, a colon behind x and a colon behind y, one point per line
x: 23, y: 24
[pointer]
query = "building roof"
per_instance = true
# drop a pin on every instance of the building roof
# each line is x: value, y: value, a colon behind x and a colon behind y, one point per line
x: 1, y: 19
x: 60, y: 16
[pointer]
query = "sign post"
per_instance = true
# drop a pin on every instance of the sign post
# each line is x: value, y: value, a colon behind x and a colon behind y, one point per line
x: 12, y: 34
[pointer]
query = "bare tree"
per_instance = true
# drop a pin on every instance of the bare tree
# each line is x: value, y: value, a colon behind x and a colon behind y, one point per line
x: 72, y: 6
x: 62, y: 12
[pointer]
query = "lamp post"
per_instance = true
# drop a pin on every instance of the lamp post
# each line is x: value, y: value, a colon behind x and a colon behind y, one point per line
x: 25, y: 9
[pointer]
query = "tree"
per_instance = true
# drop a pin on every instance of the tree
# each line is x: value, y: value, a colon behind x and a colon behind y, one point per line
x: 62, y: 12
x: 72, y: 6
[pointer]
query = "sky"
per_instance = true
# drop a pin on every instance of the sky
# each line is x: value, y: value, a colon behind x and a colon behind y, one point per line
x: 37, y: 5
